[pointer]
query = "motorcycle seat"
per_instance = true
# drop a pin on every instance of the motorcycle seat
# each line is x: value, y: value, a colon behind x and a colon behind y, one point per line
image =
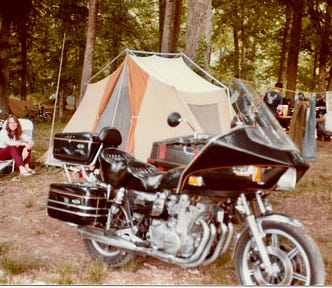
x: 113, y: 165
x: 147, y: 175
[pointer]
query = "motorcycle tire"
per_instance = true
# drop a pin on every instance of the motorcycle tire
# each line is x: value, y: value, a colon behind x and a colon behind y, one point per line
x: 295, y: 258
x: 48, y: 116
x: 112, y: 256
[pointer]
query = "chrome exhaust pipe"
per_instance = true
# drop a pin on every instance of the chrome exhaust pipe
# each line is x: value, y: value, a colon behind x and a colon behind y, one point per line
x: 97, y: 234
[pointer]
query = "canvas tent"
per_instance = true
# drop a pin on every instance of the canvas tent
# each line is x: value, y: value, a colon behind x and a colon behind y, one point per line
x: 140, y: 94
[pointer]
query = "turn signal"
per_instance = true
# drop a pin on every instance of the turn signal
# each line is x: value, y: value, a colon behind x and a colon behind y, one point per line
x: 195, y: 181
x: 257, y: 174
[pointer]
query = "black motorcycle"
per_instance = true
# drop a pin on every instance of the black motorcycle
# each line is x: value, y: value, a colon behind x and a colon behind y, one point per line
x: 190, y: 214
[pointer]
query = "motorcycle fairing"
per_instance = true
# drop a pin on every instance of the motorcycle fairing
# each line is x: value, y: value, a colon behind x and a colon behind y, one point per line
x: 243, y: 146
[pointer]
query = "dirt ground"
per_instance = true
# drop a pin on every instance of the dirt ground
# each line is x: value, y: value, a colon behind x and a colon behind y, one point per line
x: 30, y: 233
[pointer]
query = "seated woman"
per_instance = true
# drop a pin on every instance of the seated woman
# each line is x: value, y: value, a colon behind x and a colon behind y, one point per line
x: 322, y: 133
x: 14, y: 144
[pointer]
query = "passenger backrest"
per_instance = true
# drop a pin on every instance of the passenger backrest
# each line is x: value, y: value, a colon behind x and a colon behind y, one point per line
x: 110, y: 137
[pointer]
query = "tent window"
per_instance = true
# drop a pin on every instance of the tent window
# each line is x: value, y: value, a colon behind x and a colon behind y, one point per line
x: 208, y: 117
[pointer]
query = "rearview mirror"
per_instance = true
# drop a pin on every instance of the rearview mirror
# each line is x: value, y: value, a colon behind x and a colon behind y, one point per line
x: 174, y: 119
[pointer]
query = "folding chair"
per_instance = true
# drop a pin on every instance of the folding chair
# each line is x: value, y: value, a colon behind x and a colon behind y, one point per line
x: 7, y: 165
x: 27, y: 127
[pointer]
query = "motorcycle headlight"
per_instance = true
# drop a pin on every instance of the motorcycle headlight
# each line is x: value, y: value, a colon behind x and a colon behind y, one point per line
x: 288, y: 180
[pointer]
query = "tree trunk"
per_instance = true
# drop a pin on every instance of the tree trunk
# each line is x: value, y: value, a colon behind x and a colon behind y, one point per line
x: 89, y: 49
x: 162, y: 8
x: 4, y: 68
x: 322, y: 26
x: 24, y: 71
x: 329, y: 82
x: 285, y: 47
x: 324, y: 53
x: 294, y: 48
x: 198, y: 31
x: 236, y: 55
x: 171, y: 26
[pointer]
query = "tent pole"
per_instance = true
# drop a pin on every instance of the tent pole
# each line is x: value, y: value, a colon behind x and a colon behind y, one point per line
x: 204, y: 72
x: 56, y: 98
x: 110, y: 63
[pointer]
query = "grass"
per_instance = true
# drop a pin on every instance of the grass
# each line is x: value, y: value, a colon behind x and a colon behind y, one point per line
x: 65, y: 273
x: 13, y: 260
x: 68, y: 272
x: 97, y: 270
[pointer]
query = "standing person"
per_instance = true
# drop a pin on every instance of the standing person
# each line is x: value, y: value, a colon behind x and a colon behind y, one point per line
x: 14, y: 144
x: 273, y: 98
x: 243, y: 106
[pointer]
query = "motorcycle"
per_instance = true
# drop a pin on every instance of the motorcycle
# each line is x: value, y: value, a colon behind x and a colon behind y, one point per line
x: 38, y: 113
x: 190, y: 214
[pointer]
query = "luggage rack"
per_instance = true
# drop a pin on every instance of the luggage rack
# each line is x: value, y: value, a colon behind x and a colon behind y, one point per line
x: 83, y: 168
x: 79, y: 151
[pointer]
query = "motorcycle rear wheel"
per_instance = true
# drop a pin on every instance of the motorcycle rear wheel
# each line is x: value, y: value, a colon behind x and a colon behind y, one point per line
x: 295, y: 258
x: 112, y: 256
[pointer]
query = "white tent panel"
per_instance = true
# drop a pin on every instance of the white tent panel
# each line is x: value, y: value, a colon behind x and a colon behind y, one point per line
x: 87, y: 112
x: 175, y: 73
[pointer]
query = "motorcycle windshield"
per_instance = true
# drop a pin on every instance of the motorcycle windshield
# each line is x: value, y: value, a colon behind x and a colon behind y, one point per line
x: 251, y: 110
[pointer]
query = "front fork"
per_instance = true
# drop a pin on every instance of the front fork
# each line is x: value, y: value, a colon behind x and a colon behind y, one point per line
x: 243, y: 207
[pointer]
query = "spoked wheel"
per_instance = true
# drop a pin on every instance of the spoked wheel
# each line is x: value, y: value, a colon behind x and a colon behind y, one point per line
x: 111, y: 255
x: 294, y: 256
x: 48, y: 116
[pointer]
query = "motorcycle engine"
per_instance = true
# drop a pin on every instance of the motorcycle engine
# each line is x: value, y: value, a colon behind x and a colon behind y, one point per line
x: 180, y: 234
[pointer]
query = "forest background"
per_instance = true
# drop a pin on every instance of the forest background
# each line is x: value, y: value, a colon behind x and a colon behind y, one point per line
x: 256, y: 40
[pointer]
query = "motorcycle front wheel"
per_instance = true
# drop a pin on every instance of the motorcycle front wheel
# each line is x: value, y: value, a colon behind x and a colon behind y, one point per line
x: 294, y: 256
x: 113, y: 256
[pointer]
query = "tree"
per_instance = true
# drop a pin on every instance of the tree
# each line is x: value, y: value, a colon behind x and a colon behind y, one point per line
x: 250, y: 39
x: 4, y: 68
x: 22, y: 28
x: 74, y: 18
x: 89, y: 48
x: 321, y: 19
x: 12, y: 11
x: 285, y: 46
x: 170, y: 30
x: 198, y: 31
x: 294, y: 47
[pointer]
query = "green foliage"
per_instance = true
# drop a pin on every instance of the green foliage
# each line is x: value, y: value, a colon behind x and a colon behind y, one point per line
x: 258, y: 25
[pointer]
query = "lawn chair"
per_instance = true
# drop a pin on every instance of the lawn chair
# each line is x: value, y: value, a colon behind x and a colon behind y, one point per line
x: 8, y: 166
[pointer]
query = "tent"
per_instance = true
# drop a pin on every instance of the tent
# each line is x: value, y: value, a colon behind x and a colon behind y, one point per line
x: 139, y: 95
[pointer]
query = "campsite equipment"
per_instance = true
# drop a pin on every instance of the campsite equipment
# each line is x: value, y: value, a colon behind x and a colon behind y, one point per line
x: 190, y: 214
x: 141, y: 92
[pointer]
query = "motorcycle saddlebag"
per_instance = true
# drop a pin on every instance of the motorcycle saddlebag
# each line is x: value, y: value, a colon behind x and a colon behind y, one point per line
x: 76, y: 147
x: 79, y: 203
